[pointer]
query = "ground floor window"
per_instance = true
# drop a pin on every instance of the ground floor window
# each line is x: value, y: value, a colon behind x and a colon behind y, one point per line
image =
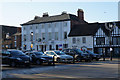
x: 50, y: 47
x: 100, y: 40
x: 65, y: 45
x: 115, y: 52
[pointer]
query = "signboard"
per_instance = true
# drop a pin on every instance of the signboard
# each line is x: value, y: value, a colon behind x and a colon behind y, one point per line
x: 60, y: 46
x: 83, y: 48
x: 31, y: 45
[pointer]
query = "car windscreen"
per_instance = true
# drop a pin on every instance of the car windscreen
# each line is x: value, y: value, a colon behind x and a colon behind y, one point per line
x: 90, y: 52
x: 59, y: 53
x: 17, y: 53
x: 38, y: 53
x: 79, y: 51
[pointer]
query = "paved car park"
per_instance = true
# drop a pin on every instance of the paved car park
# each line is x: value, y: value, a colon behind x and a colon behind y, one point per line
x: 94, y: 69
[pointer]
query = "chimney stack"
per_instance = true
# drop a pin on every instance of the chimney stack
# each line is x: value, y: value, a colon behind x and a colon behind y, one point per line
x: 45, y: 14
x: 80, y: 14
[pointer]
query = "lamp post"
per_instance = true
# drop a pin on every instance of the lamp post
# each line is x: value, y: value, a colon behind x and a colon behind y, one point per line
x: 44, y: 44
x: 31, y: 40
x: 52, y: 43
x: 110, y: 26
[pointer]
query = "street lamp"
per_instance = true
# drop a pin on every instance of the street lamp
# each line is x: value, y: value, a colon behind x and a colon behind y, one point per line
x: 110, y: 26
x: 52, y: 43
x: 31, y: 40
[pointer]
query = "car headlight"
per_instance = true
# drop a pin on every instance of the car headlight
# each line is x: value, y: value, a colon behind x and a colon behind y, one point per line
x: 19, y: 59
x: 43, y: 58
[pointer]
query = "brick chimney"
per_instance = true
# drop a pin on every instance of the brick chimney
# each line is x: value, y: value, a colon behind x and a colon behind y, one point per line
x: 80, y: 14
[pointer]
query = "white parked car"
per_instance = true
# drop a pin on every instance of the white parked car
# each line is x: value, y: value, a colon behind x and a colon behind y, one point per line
x: 59, y: 56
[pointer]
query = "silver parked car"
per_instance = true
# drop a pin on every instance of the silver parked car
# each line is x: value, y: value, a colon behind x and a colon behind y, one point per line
x: 59, y: 56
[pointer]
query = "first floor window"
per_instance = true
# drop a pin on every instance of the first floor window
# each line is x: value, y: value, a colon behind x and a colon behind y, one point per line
x: 84, y: 39
x: 56, y: 35
x: 74, y: 40
x: 24, y: 37
x: 100, y: 40
x: 65, y: 23
x: 78, y: 40
x: 65, y: 35
x: 43, y: 36
x: 116, y: 41
x: 50, y: 36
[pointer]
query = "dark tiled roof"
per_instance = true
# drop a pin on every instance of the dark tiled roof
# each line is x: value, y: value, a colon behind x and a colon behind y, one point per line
x: 84, y: 30
x: 89, y: 29
x: 63, y: 17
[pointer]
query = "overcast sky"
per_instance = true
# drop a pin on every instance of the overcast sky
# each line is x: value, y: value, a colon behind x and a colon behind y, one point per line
x: 16, y: 13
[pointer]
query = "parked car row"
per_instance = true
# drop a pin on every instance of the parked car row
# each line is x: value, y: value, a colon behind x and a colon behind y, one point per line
x: 17, y: 57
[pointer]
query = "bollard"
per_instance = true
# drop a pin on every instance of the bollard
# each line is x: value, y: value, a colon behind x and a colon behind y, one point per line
x: 103, y: 57
x: 54, y: 60
x: 73, y: 58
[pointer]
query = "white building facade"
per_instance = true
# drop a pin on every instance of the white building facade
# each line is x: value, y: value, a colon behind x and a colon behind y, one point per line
x: 81, y: 36
x: 46, y: 35
x: 81, y: 41
x: 49, y: 32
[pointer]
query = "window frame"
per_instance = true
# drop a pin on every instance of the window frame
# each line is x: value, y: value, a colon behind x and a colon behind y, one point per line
x: 83, y: 40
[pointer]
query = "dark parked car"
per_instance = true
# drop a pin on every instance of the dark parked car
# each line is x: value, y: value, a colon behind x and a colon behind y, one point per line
x: 40, y: 57
x: 93, y: 55
x: 15, y: 57
x: 79, y: 55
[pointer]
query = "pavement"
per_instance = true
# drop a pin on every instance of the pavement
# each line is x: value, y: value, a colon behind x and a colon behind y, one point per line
x: 83, y: 70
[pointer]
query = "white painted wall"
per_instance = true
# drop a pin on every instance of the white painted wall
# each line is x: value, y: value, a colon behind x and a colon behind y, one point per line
x: 60, y: 28
x: 79, y: 44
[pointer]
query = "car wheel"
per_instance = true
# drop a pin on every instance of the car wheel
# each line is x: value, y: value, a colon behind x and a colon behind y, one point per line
x: 13, y: 64
x: 97, y: 59
x: 58, y: 60
x: 38, y: 62
x: 86, y: 60
x: 49, y: 63
x: 77, y: 59
x: 27, y: 65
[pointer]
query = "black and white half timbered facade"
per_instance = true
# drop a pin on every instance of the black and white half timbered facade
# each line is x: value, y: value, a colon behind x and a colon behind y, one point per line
x: 101, y: 40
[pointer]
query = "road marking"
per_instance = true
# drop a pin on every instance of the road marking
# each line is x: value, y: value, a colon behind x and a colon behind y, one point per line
x: 41, y: 76
x: 54, y: 75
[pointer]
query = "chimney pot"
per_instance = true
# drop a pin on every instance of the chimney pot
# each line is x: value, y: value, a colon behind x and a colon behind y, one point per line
x: 45, y: 14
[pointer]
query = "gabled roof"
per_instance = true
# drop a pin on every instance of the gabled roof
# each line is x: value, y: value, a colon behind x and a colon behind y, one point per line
x: 62, y: 17
x: 89, y: 29
x: 84, y: 30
